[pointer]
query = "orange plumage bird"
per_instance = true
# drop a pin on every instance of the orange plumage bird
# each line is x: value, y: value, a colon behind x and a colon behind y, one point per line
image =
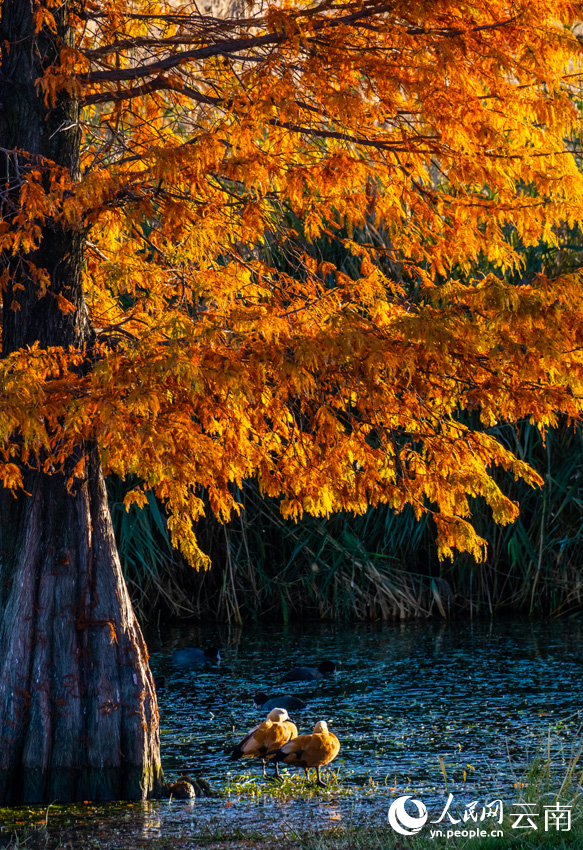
x: 315, y: 750
x: 268, y: 737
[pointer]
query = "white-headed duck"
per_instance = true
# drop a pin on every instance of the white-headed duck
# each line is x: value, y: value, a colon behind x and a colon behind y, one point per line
x: 290, y: 703
x: 301, y: 674
x: 315, y: 750
x: 270, y: 735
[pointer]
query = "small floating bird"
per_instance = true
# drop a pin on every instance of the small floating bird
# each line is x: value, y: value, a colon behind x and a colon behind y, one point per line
x: 182, y: 789
x: 300, y: 674
x: 195, y: 657
x: 276, y: 730
x: 290, y: 703
x: 315, y: 750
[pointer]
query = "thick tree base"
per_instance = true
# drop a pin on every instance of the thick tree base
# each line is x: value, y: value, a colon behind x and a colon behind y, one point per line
x: 78, y: 709
x: 71, y: 786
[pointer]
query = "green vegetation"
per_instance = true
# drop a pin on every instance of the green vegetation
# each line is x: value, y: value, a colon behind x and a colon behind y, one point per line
x: 361, y: 835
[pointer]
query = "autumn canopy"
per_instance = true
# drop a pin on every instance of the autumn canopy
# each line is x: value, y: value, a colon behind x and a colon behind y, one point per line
x: 432, y: 139
x: 168, y: 312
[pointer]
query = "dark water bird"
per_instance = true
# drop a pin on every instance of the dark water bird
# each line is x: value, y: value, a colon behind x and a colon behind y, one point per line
x: 276, y: 730
x: 305, y: 674
x: 185, y: 788
x: 159, y: 682
x: 182, y: 789
x: 306, y: 751
x: 195, y: 657
x: 290, y: 703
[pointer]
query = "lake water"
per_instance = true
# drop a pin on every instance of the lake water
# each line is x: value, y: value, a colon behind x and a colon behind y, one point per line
x: 482, y: 696
x: 479, y: 694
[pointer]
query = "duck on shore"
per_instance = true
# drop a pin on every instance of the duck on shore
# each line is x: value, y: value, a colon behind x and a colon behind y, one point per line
x: 307, y: 751
x: 307, y: 674
x: 269, y: 736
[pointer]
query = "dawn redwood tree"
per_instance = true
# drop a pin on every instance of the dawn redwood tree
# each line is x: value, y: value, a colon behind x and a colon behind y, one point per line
x: 153, y: 160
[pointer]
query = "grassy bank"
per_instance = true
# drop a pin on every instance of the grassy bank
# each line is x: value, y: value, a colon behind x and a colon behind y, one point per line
x: 360, y: 836
x: 242, y: 802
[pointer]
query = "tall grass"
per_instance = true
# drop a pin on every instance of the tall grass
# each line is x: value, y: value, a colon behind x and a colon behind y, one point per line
x: 378, y: 566
x: 535, y: 565
x: 384, y: 566
x: 153, y: 570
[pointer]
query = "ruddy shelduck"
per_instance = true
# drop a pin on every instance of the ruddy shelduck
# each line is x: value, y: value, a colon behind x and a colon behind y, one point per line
x: 268, y: 737
x: 315, y: 750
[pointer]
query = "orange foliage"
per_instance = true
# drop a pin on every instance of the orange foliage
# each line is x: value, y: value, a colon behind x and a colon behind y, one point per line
x: 432, y: 139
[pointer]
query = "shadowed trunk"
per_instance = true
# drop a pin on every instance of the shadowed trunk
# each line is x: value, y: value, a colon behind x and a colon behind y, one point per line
x: 78, y: 718
x: 78, y: 711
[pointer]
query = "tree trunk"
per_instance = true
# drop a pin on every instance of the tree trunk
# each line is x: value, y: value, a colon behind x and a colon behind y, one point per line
x: 78, y: 711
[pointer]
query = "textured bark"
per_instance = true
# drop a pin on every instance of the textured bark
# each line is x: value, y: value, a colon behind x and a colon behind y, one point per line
x: 78, y: 708
x: 78, y: 711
